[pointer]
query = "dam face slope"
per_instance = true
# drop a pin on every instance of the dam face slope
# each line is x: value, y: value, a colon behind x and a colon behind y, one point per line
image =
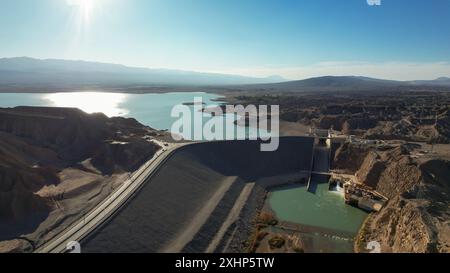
x: 182, y: 206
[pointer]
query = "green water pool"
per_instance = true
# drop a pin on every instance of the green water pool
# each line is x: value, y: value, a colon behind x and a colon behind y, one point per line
x: 324, y: 208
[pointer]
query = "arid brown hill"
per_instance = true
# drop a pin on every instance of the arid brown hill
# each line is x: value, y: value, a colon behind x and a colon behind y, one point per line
x: 417, y: 216
x: 36, y: 143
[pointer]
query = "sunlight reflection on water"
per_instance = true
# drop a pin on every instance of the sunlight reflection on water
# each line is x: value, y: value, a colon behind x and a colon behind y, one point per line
x: 91, y: 102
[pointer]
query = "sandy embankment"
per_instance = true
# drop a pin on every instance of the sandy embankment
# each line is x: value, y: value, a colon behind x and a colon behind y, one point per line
x: 203, y: 199
x: 78, y: 192
x: 286, y: 128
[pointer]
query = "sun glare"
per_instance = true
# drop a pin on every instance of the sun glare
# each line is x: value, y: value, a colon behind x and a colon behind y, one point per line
x: 90, y: 102
x: 84, y: 8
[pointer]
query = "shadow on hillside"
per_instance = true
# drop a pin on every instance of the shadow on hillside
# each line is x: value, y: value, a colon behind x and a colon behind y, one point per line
x: 14, y: 230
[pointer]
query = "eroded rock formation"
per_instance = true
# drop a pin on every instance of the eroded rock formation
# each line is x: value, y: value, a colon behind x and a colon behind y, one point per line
x: 417, y: 216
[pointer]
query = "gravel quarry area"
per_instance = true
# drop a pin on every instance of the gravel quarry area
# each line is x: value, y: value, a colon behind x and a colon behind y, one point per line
x: 203, y: 199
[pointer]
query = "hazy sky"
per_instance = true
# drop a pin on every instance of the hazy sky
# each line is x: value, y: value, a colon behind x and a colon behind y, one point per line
x: 401, y: 39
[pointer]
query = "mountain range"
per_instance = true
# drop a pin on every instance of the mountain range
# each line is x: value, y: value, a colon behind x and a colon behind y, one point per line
x: 23, y: 74
x: 28, y: 72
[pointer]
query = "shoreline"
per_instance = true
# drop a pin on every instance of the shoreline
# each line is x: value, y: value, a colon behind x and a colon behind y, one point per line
x: 157, y: 90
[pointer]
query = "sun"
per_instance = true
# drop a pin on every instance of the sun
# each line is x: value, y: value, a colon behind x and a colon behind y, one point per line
x: 85, y: 8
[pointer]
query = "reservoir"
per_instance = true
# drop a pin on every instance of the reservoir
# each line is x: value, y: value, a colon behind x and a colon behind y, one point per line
x: 153, y: 110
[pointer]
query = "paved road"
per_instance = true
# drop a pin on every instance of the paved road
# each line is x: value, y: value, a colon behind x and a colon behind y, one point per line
x: 85, y: 225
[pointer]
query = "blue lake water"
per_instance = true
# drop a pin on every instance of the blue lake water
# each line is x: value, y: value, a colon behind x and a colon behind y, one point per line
x: 153, y: 110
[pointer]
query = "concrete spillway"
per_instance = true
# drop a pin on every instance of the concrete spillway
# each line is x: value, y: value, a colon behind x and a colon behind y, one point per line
x: 321, y: 166
x: 184, y: 206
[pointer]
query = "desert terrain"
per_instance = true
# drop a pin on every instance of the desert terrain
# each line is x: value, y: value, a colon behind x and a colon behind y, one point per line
x: 408, y: 115
x: 398, y: 145
x: 58, y: 163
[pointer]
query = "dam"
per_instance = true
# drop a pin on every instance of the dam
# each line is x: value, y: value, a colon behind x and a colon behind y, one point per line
x: 203, y: 199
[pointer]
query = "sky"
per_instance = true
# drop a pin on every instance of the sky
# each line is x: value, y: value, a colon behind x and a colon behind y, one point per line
x: 296, y: 39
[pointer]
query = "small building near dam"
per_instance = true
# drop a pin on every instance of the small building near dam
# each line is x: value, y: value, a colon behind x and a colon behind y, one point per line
x: 363, y: 197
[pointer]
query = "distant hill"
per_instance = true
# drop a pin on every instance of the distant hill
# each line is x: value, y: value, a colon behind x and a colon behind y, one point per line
x: 442, y: 81
x: 348, y: 83
x: 337, y: 82
x: 28, y: 73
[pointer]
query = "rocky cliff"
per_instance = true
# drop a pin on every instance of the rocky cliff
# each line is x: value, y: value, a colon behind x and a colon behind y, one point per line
x: 349, y: 157
x: 417, y: 216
